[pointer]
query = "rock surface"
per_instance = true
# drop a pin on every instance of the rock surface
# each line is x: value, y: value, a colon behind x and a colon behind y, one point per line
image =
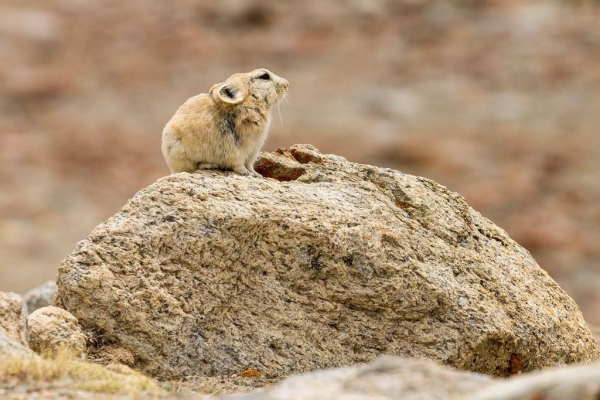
x: 52, y: 328
x: 383, y: 379
x: 13, y: 317
x: 406, y: 378
x: 12, y: 347
x: 41, y: 296
x: 330, y: 263
x: 13, y: 325
x: 596, y: 332
x: 571, y: 382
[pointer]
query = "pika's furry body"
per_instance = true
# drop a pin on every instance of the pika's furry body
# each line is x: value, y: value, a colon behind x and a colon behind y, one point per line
x: 226, y: 128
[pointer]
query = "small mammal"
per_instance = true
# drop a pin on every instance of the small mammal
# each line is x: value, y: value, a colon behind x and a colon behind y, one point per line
x: 226, y: 128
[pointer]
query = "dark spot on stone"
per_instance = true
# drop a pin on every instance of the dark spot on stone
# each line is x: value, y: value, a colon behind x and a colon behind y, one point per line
x: 514, y: 364
x: 315, y: 261
x: 349, y: 260
x: 170, y: 218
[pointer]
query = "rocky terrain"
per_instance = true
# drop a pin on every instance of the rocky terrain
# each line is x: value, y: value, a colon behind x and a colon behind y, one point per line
x: 403, y: 378
x: 497, y: 100
x: 327, y: 263
x: 220, y: 286
x: 329, y: 278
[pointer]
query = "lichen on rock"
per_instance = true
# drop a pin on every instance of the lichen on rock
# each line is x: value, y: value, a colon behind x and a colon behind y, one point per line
x: 329, y: 263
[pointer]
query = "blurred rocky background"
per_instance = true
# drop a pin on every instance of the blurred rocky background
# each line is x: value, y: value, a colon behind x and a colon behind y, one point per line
x: 499, y: 100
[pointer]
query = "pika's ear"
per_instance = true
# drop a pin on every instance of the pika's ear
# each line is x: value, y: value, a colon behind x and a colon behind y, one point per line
x: 227, y: 93
x: 212, y: 89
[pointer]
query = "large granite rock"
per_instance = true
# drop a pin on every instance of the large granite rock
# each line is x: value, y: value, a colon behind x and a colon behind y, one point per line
x: 330, y: 263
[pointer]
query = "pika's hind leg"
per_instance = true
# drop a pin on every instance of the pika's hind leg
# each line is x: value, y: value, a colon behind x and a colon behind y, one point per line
x: 202, y: 165
x: 179, y: 163
x: 175, y: 154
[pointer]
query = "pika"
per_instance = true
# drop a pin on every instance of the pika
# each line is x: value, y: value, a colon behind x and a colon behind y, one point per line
x: 226, y: 128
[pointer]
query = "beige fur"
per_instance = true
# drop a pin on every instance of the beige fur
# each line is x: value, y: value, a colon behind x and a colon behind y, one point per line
x: 225, y: 128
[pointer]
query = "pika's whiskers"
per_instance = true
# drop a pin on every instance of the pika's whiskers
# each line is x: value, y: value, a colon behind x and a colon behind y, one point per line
x: 279, y: 112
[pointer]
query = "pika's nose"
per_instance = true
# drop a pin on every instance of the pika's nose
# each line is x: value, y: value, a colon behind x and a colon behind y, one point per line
x: 285, y: 83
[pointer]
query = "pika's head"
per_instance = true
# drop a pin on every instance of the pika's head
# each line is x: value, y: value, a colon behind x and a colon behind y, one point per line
x: 260, y: 88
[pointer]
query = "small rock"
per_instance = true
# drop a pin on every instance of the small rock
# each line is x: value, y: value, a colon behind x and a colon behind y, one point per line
x: 281, y: 168
x: 10, y: 347
x: 52, y: 328
x: 40, y: 296
x: 13, y: 325
x: 13, y: 317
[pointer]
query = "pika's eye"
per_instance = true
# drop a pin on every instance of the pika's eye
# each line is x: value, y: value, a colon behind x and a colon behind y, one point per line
x: 265, y: 76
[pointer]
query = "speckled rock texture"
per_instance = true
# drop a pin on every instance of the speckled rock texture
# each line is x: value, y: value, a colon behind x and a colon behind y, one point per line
x: 327, y: 263
x: 13, y: 317
x: 407, y: 378
x: 13, y: 325
x: 10, y: 347
x: 41, y: 296
x: 386, y: 378
x: 52, y: 328
x: 596, y: 332
x: 580, y: 382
